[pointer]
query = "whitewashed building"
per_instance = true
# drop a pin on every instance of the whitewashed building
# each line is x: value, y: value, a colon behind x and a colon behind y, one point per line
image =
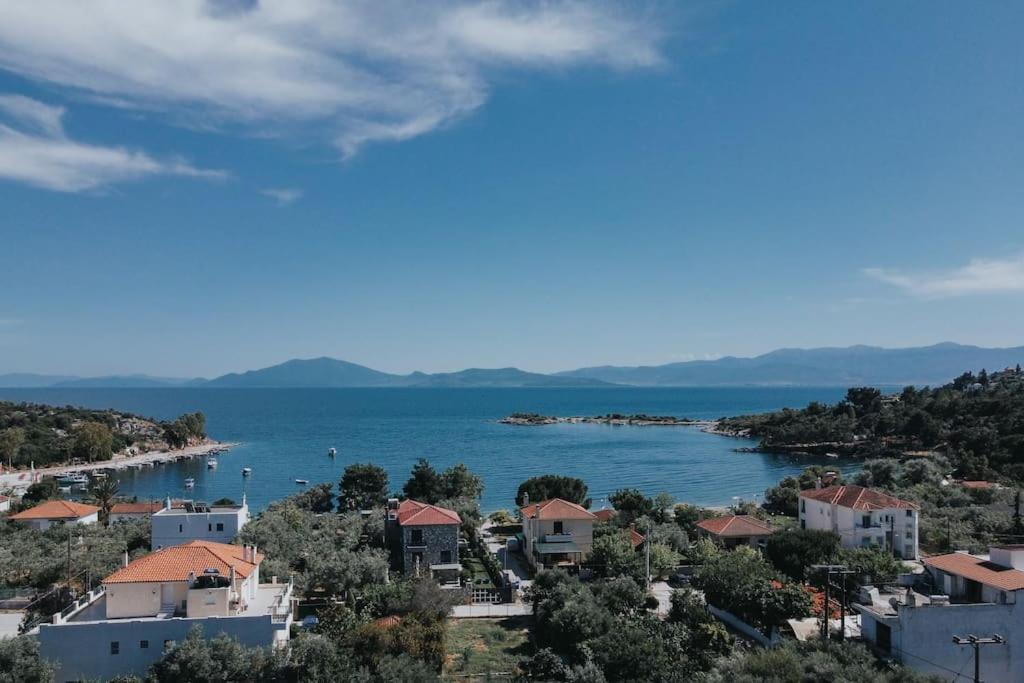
x: 45, y: 515
x: 557, y: 533
x: 196, y: 521
x: 962, y: 595
x: 145, y: 607
x: 862, y: 518
x: 125, y: 512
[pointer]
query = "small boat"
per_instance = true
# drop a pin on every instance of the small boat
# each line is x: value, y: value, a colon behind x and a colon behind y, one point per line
x: 246, y: 471
x: 190, y: 482
x: 99, y: 475
x: 831, y: 455
x: 64, y: 489
x: 74, y: 479
x: 302, y: 482
x: 332, y: 451
x: 211, y: 461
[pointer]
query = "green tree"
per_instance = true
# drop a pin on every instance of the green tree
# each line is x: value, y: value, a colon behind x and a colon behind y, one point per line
x: 93, y: 441
x: 47, y: 489
x: 104, y: 494
x: 11, y: 440
x: 613, y: 555
x: 425, y: 484
x: 550, y: 486
x: 318, y: 499
x: 198, y: 660
x: 630, y: 503
x: 793, y: 551
x: 363, y: 486
x: 460, y: 482
x: 20, y: 662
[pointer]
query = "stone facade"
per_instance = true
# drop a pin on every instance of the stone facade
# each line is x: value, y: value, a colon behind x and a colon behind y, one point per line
x: 433, y: 544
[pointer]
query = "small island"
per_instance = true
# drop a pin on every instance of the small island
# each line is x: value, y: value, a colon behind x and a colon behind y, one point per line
x: 617, y: 419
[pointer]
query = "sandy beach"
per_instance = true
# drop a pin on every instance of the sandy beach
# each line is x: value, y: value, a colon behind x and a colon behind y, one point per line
x: 23, y: 478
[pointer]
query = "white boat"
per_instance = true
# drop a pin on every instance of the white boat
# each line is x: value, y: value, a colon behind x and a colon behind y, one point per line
x: 190, y: 482
x: 211, y: 461
x: 246, y: 471
x: 302, y: 482
x: 332, y: 451
x: 74, y: 479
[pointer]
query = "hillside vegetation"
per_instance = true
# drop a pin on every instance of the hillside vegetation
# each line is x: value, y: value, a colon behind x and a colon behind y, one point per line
x: 976, y: 422
x: 45, y: 435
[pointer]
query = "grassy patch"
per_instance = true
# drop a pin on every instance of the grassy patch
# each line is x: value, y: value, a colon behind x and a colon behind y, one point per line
x: 485, y: 646
x: 481, y: 578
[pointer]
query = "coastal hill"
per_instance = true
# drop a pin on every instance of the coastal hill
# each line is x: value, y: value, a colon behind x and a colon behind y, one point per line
x: 847, y: 366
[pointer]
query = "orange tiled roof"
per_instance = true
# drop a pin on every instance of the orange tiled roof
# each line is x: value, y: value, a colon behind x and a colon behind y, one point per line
x: 136, y: 508
x: 636, y: 538
x: 387, y: 622
x: 556, y: 508
x: 977, y: 569
x: 858, y: 498
x: 177, y: 562
x: 736, y: 526
x: 57, y: 509
x: 605, y: 514
x: 415, y: 513
x: 967, y: 484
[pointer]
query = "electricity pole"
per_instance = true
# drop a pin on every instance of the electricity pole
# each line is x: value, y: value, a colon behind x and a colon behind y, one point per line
x: 976, y: 643
x: 830, y: 571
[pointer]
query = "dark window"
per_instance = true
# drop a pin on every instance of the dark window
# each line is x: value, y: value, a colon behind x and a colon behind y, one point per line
x: 803, y: 524
x: 416, y: 537
x: 220, y: 526
x: 115, y: 647
x: 559, y: 528
x: 144, y: 644
x: 803, y: 505
x: 865, y: 520
x: 417, y: 559
x: 209, y: 527
x: 446, y: 557
x: 910, y: 513
x: 180, y: 528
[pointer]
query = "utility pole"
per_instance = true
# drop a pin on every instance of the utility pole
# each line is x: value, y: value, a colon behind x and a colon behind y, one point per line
x: 976, y: 643
x: 830, y: 571
x: 647, y: 556
x: 69, y: 557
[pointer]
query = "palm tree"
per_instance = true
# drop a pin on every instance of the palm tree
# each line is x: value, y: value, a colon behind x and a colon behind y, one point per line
x: 104, y: 493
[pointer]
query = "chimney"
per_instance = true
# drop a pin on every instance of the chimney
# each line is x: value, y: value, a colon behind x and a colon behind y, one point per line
x: 125, y: 557
x: 167, y: 503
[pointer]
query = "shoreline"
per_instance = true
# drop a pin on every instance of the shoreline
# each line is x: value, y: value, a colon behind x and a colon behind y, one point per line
x: 24, y: 478
x: 532, y: 420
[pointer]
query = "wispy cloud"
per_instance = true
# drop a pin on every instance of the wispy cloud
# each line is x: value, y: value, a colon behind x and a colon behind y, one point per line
x: 283, y: 195
x: 347, y: 72
x: 34, y: 149
x: 979, y: 276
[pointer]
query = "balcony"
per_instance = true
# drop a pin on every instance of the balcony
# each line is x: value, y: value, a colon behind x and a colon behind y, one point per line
x: 558, y: 538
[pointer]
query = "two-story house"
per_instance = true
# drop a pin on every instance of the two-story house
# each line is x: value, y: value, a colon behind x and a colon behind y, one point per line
x: 422, y: 538
x: 862, y: 518
x: 196, y: 521
x: 557, y: 533
x: 960, y: 595
x: 153, y: 602
x: 45, y: 515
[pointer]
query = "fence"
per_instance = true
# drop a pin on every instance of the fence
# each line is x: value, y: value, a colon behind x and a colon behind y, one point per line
x: 487, y: 596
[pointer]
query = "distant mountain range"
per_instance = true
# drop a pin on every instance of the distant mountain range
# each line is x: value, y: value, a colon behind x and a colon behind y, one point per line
x: 847, y: 366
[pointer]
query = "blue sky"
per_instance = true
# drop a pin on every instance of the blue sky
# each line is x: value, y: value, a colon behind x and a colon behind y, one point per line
x: 193, y: 189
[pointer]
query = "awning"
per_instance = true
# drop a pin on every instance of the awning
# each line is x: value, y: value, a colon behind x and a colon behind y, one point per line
x: 556, y: 548
x: 446, y: 567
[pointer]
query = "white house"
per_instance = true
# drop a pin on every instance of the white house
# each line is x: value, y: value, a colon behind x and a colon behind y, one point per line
x: 557, y: 533
x: 964, y: 595
x: 149, y: 604
x: 124, y: 512
x: 45, y: 515
x: 862, y: 518
x: 195, y: 521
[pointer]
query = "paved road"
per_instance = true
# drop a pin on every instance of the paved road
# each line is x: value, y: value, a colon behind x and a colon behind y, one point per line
x: 662, y: 591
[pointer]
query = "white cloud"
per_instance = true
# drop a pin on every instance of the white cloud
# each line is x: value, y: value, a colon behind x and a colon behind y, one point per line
x: 283, y: 195
x: 979, y: 276
x: 39, y: 153
x: 351, y: 71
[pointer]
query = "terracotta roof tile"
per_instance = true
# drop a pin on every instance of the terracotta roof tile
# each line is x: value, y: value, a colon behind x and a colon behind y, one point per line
x: 415, y: 513
x: 556, y: 508
x: 733, y: 526
x: 177, y: 562
x: 977, y: 569
x: 605, y: 514
x: 858, y: 498
x: 636, y: 538
x: 136, y: 508
x: 57, y: 509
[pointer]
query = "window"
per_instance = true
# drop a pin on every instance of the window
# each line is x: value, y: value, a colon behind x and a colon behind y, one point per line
x: 803, y: 523
x: 143, y: 644
x: 416, y: 537
x: 181, y: 528
x: 559, y: 528
x: 115, y: 647
x: 446, y: 557
x: 220, y: 526
x: 865, y: 520
x: 209, y: 527
x: 910, y: 534
x: 910, y: 513
x: 417, y: 559
x: 803, y: 505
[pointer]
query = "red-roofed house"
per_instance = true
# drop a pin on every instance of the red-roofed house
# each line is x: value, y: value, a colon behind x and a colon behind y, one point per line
x: 424, y: 537
x: 155, y: 600
x: 45, y: 515
x: 124, y: 512
x: 862, y: 518
x: 735, y: 530
x: 605, y: 514
x: 557, y: 533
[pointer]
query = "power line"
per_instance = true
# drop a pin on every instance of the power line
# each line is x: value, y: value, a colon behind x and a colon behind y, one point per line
x: 976, y: 643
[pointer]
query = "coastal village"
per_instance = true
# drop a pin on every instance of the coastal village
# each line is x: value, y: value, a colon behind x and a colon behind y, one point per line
x: 909, y: 569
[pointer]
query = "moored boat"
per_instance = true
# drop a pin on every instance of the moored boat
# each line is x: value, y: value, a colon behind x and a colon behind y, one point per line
x: 190, y: 482
x: 246, y: 471
x: 211, y: 461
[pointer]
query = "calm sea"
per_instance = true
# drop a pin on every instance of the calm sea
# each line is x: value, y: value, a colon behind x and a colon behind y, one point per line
x: 285, y: 434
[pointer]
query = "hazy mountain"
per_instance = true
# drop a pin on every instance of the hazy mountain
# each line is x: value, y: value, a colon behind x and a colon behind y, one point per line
x: 314, y: 372
x: 499, y: 377
x: 127, y: 382
x: 825, y: 366
x: 28, y: 380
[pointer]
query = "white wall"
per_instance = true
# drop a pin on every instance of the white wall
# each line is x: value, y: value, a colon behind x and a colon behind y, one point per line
x: 44, y: 524
x: 174, y: 526
x: 847, y: 523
